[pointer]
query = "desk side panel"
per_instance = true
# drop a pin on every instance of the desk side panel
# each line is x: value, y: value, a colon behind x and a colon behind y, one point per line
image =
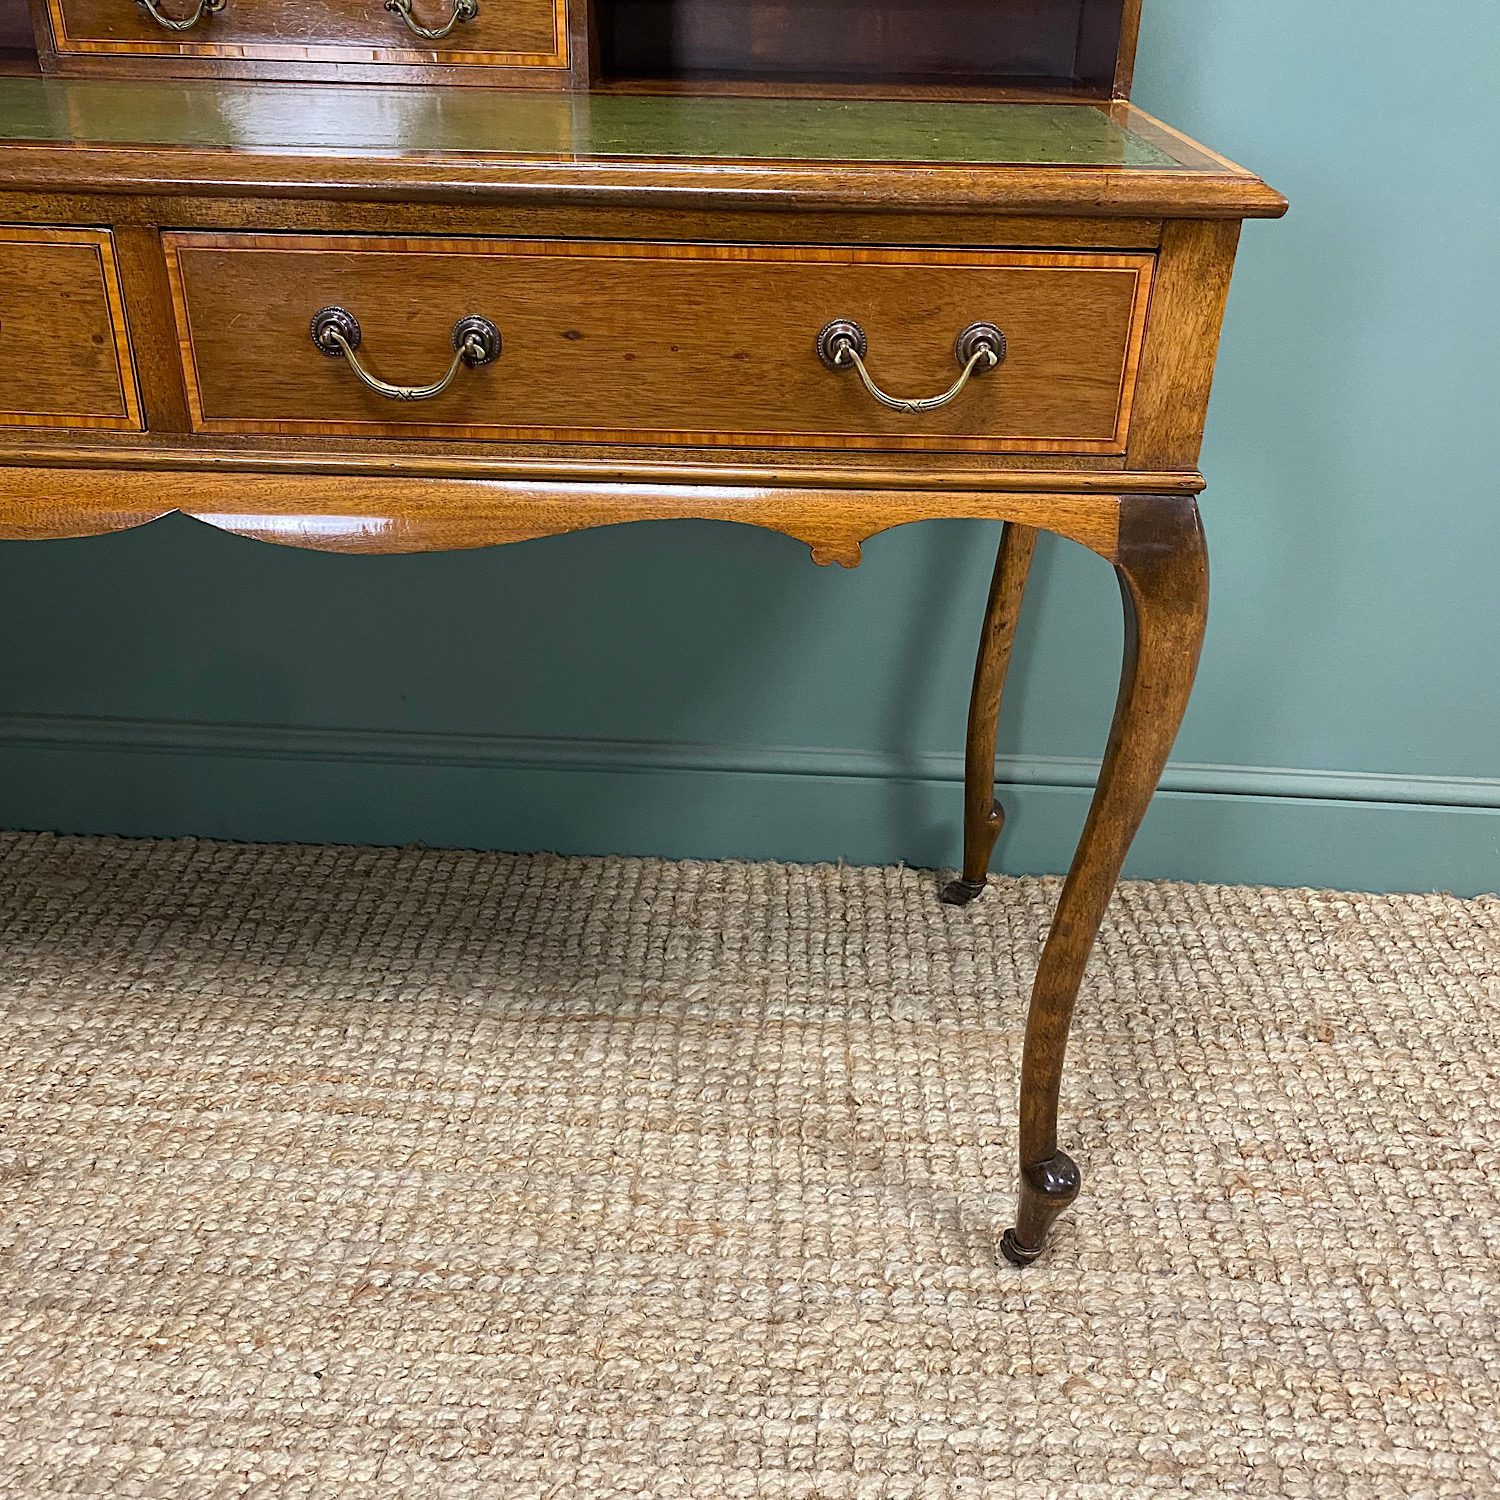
x: 1182, y: 343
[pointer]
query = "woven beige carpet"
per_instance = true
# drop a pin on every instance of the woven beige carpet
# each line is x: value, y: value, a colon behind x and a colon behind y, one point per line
x: 375, y: 1173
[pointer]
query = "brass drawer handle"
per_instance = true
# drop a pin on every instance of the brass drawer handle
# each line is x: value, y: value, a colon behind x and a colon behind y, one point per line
x: 463, y: 10
x: 476, y: 341
x: 202, y: 9
x: 842, y: 345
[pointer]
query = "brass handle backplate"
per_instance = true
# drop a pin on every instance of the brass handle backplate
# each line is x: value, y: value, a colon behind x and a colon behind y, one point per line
x: 202, y: 9
x: 843, y: 345
x: 463, y: 10
x: 476, y: 341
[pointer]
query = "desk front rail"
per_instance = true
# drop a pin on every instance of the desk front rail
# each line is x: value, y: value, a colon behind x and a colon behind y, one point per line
x: 640, y: 373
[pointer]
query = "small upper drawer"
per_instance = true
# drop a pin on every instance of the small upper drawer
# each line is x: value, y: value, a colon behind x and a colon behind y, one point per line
x: 652, y: 343
x: 64, y: 348
x: 479, y: 33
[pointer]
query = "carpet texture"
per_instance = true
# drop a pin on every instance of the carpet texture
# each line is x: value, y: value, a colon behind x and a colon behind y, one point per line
x: 351, y: 1173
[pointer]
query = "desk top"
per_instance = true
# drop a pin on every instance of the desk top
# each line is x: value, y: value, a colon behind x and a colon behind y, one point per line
x: 516, y: 123
x: 98, y: 133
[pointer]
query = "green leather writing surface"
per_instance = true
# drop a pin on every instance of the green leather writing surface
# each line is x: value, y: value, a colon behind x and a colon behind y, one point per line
x: 421, y: 120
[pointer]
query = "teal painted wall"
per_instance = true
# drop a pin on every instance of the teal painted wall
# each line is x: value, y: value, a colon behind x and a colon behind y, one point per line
x: 697, y: 689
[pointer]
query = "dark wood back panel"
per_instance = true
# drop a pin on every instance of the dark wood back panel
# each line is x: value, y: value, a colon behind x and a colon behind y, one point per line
x: 1068, y: 45
x: 15, y: 27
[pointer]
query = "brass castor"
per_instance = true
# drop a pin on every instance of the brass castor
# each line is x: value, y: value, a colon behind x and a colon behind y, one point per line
x: 961, y: 892
x: 1047, y: 1188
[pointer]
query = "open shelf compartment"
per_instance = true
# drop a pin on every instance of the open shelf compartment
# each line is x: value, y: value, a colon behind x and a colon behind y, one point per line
x: 1054, y: 48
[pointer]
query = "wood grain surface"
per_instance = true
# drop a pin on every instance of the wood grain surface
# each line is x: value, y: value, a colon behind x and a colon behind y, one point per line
x: 1187, y: 314
x: 697, y: 344
x: 1046, y: 45
x: 504, y: 33
x: 384, y: 513
x: 64, y: 349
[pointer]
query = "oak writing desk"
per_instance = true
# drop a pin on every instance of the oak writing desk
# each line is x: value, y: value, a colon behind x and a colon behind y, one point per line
x: 408, y: 315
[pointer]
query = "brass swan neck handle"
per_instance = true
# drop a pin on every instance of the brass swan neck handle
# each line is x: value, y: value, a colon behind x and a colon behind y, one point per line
x: 201, y: 10
x: 463, y: 10
x: 476, y: 341
x: 842, y: 345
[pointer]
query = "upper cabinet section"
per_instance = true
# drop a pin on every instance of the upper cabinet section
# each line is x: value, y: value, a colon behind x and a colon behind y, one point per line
x: 1053, y: 50
x: 492, y: 41
x: 1056, y: 49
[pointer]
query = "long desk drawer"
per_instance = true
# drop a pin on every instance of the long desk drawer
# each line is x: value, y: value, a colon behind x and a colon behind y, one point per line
x: 64, y: 347
x: 653, y: 343
x: 498, y: 33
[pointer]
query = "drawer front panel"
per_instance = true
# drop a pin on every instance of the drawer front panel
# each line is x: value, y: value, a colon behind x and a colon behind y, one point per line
x: 702, y: 344
x: 64, y: 349
x: 501, y: 33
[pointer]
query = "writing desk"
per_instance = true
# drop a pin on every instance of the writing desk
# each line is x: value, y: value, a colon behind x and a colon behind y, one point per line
x: 369, y: 319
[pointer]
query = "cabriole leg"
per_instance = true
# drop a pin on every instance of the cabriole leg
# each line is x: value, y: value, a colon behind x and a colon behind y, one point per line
x: 1163, y: 570
x: 983, y: 815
